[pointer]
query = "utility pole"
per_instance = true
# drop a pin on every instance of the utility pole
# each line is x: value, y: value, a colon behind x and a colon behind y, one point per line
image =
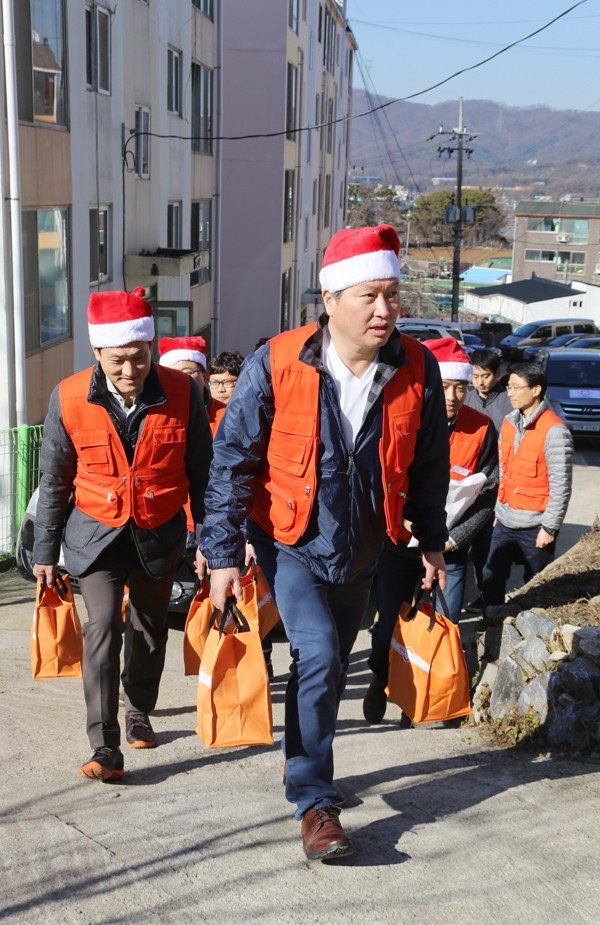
x: 456, y: 215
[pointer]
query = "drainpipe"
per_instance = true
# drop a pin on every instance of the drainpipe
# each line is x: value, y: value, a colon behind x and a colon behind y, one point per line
x: 296, y: 287
x: 216, y: 219
x: 14, y: 195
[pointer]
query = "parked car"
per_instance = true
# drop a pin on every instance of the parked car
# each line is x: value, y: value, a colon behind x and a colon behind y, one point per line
x: 429, y: 329
x: 472, y: 343
x: 565, y: 340
x: 540, y: 333
x: 185, y: 584
x: 583, y: 343
x: 574, y: 387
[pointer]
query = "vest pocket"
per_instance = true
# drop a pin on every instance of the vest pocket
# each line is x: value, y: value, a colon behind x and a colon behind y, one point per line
x: 168, y: 447
x: 406, y: 425
x: 525, y: 465
x: 288, y: 452
x: 93, y: 451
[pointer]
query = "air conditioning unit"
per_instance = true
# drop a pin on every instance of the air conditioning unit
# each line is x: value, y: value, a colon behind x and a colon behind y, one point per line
x: 597, y: 270
x: 563, y: 238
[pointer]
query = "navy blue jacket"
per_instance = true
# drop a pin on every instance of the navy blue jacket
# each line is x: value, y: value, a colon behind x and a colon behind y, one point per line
x: 347, y: 525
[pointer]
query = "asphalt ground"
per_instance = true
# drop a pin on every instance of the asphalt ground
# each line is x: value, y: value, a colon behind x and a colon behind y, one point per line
x: 446, y: 829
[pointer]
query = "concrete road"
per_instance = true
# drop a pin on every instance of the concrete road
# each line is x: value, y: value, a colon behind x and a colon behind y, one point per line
x: 446, y: 830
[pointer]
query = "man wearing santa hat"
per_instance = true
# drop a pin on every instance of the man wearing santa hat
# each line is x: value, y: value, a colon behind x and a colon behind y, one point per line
x: 473, y: 450
x: 335, y: 432
x: 124, y: 442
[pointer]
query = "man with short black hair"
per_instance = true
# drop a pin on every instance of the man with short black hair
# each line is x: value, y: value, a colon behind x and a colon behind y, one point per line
x: 491, y: 398
x: 223, y: 373
x: 536, y: 470
x: 487, y: 395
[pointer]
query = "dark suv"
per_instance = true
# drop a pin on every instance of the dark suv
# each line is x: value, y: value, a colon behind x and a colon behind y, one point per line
x: 574, y: 387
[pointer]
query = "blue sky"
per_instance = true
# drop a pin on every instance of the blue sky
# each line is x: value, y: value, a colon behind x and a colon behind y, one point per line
x: 558, y: 68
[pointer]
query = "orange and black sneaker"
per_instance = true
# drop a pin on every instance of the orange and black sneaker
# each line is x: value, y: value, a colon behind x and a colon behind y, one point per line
x: 105, y: 764
x: 139, y: 731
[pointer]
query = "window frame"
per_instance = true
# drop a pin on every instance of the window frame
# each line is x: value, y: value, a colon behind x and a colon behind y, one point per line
x: 293, y: 16
x: 174, y: 63
x: 201, y: 242
x: 141, y: 141
x: 205, y: 7
x: 202, y: 92
x: 105, y: 208
x: 288, y: 206
x: 39, y: 345
x: 93, y: 12
x: 174, y: 206
x: 291, y: 102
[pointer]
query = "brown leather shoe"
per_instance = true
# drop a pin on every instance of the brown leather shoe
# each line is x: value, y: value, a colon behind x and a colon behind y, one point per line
x: 322, y: 834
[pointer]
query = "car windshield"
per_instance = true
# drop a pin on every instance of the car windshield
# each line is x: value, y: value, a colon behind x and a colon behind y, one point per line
x: 575, y: 373
x: 420, y: 333
x: 527, y: 329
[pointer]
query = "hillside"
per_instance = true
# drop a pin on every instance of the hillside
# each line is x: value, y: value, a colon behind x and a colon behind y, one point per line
x: 553, y: 151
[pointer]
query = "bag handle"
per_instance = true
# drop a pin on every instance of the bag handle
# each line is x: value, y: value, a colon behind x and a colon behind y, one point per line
x: 230, y: 610
x: 43, y: 584
x: 61, y: 589
x: 436, y: 592
x: 246, y: 569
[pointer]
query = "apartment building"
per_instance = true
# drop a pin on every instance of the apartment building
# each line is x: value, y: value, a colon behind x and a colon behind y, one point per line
x: 557, y: 240
x: 117, y: 174
x: 286, y: 66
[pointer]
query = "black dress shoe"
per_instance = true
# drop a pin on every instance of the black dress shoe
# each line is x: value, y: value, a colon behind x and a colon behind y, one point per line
x: 323, y: 835
x: 139, y: 731
x: 105, y: 764
x: 375, y: 702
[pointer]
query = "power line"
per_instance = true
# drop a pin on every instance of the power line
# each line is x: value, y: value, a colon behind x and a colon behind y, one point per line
x: 359, y: 115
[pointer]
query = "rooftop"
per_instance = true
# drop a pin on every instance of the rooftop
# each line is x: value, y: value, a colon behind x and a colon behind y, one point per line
x: 562, y: 209
x: 529, y: 290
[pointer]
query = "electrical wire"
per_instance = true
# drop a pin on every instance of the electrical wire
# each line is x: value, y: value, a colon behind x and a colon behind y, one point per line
x: 359, y: 115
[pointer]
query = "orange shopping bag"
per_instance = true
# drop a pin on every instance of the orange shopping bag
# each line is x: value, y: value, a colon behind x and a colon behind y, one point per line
x: 428, y: 676
x: 258, y: 605
x: 196, y: 629
x: 234, y: 697
x: 56, y: 638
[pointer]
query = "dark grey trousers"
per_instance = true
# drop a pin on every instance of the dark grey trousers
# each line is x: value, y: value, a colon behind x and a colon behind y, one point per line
x: 102, y: 590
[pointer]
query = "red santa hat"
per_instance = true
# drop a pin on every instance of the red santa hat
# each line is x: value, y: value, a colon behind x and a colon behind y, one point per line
x: 357, y: 255
x: 119, y: 318
x: 174, y: 349
x: 454, y: 362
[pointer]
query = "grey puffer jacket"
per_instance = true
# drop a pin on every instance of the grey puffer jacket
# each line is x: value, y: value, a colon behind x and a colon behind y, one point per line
x: 558, y: 450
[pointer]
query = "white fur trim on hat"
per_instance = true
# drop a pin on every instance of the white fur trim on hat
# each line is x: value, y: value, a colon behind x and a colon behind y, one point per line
x: 462, y: 371
x: 120, y: 333
x: 174, y: 356
x: 382, y: 264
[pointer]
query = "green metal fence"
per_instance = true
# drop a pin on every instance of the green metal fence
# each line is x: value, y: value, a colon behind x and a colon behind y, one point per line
x: 19, y: 477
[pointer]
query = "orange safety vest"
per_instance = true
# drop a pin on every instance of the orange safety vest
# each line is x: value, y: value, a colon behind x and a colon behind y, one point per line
x: 466, y: 441
x: 285, y: 494
x: 524, y: 483
x: 155, y: 486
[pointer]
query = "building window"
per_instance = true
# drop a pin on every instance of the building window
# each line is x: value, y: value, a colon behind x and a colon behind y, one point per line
x: 350, y: 64
x: 41, y: 77
x: 46, y: 276
x: 306, y: 226
x: 327, y: 209
x: 534, y: 223
x: 97, y: 48
x: 308, y: 146
x: 312, y: 273
x: 326, y: 37
x: 311, y: 51
x: 288, y: 207
x: 174, y: 225
x: 285, y: 301
x: 290, y: 115
x: 173, y: 81
x: 314, y: 198
x: 573, y: 262
x: 100, y: 244
x: 293, y: 15
x: 200, y: 240
x: 330, y: 126
x: 341, y: 194
x: 304, y: 5
x: 202, y: 83
x: 142, y: 142
x: 205, y: 7
x: 320, y: 32
x: 577, y: 229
